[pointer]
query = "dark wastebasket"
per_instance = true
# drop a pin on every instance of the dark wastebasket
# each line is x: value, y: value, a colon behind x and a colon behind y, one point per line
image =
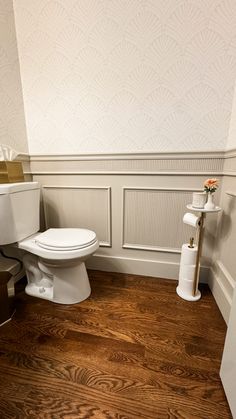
x: 6, y: 301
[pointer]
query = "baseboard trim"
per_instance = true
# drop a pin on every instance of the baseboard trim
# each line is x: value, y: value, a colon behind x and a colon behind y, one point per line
x: 222, y: 287
x: 147, y: 267
x: 168, y: 270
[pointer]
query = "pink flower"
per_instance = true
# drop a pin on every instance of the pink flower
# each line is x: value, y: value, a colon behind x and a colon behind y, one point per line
x: 210, y: 185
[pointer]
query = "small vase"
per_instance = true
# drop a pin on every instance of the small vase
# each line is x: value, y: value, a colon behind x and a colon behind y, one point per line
x: 210, y: 202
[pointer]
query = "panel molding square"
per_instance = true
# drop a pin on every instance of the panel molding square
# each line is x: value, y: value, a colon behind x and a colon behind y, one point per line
x: 79, y: 206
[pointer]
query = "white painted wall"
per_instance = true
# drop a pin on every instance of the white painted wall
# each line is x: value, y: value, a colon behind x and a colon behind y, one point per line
x: 12, y: 120
x: 126, y: 75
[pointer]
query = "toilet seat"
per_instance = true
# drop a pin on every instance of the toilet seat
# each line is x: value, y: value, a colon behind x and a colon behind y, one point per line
x: 30, y: 244
x: 66, y: 239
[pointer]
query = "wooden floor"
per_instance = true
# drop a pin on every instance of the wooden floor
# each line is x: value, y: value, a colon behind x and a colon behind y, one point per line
x: 134, y: 349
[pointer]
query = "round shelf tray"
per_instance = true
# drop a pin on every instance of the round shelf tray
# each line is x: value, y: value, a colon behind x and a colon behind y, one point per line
x: 216, y: 209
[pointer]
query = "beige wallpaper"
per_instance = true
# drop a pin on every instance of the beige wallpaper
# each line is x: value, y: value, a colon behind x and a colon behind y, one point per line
x: 231, y: 140
x: 12, y: 121
x: 126, y: 75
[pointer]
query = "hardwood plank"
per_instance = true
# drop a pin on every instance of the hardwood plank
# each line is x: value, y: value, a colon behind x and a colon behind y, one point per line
x: 131, y: 385
x: 134, y: 349
x: 160, y: 403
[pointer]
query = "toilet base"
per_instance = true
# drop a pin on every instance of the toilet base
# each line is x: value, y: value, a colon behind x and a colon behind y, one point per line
x: 40, y: 292
x: 51, y: 281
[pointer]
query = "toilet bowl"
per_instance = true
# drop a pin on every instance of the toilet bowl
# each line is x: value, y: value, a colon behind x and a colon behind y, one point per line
x: 55, y: 266
x: 53, y: 260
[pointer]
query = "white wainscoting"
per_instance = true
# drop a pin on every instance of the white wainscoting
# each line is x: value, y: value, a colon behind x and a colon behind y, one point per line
x: 222, y: 287
x: 229, y: 168
x: 223, y: 272
x: 138, y: 217
x: 79, y: 206
x: 140, y: 227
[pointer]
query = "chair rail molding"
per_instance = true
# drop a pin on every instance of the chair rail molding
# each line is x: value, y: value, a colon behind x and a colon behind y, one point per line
x: 207, y: 164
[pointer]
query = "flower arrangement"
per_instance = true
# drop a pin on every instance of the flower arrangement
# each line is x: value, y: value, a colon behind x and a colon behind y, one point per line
x: 211, y: 185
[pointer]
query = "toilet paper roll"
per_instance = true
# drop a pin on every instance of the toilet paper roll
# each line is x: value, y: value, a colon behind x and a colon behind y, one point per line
x: 186, y: 273
x: 191, y: 219
x: 199, y: 199
x: 188, y: 255
x: 186, y: 287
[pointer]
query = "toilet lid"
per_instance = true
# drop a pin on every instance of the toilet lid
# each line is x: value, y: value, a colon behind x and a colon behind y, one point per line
x: 66, y: 238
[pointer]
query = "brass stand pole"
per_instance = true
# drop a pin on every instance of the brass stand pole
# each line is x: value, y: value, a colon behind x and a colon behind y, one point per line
x: 199, y: 252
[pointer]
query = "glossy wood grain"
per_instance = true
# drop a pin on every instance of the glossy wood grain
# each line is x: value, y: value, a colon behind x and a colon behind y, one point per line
x: 134, y: 349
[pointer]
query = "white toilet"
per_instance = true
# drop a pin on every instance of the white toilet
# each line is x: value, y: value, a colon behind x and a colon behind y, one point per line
x: 54, y: 259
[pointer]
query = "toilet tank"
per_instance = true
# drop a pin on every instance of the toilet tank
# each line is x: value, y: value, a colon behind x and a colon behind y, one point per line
x: 19, y: 211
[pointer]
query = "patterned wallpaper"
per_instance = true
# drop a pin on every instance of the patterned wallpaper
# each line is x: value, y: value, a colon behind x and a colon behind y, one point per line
x: 126, y: 75
x: 231, y: 141
x: 12, y: 120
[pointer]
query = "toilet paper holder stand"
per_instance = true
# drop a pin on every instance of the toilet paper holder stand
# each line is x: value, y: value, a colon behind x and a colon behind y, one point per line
x: 201, y: 221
